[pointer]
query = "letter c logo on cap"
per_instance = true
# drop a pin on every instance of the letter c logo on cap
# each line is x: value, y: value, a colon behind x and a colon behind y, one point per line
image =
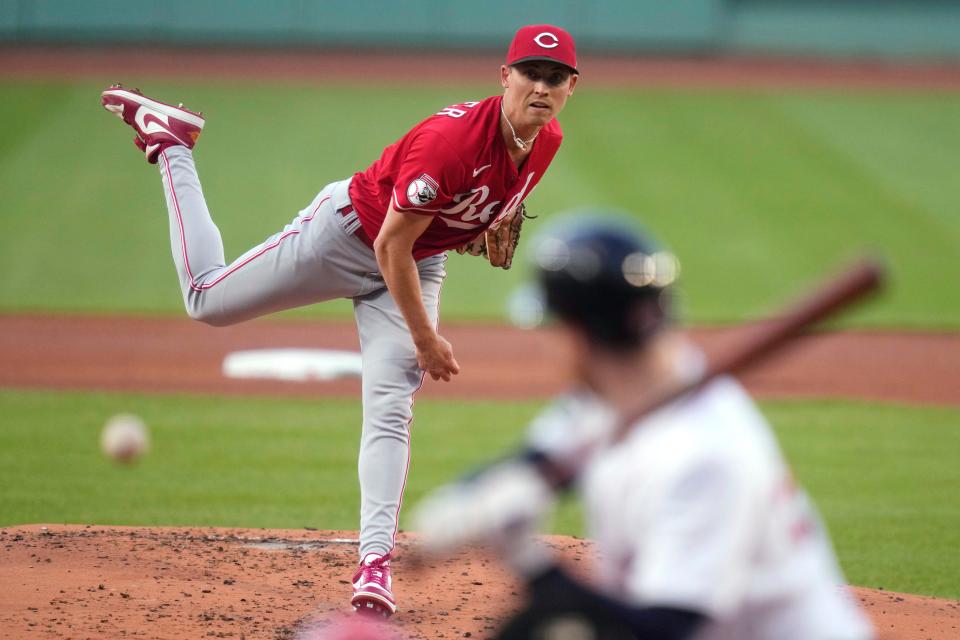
x: 546, y: 35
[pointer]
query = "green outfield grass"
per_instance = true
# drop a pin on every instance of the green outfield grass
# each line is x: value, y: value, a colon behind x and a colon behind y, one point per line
x: 758, y: 192
x: 885, y: 477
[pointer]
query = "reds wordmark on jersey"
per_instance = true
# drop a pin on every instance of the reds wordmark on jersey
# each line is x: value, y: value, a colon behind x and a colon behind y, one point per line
x: 456, y: 167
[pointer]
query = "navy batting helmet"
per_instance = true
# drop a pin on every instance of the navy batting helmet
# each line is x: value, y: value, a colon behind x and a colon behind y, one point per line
x: 599, y: 272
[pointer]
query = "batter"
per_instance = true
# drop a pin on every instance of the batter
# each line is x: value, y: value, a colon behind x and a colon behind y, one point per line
x: 700, y: 529
x: 378, y: 238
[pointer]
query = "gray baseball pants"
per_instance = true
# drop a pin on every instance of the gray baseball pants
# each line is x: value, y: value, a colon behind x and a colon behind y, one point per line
x: 316, y: 257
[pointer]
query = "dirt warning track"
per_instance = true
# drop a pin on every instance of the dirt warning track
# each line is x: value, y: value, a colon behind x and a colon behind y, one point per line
x: 318, y: 66
x: 497, y: 362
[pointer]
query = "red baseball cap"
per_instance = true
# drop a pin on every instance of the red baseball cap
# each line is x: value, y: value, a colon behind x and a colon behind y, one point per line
x: 543, y: 42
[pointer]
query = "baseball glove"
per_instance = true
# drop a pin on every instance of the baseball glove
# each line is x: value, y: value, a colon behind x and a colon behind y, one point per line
x: 499, y: 242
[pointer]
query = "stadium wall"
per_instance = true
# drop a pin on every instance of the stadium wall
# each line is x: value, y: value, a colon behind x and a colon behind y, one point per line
x: 885, y: 28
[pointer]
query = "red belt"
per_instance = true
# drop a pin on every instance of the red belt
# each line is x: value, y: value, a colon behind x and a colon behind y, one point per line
x: 360, y: 233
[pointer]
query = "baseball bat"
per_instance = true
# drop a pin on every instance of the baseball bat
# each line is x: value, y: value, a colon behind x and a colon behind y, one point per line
x: 838, y: 293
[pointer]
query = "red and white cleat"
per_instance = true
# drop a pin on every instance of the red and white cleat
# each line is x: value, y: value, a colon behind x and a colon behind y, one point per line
x: 157, y: 125
x: 372, y: 593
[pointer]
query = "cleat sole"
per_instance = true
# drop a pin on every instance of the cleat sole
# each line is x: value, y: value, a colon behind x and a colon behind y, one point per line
x: 176, y: 112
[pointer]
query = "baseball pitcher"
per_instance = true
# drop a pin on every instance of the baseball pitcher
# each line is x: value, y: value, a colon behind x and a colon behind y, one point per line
x: 701, y: 530
x: 457, y: 180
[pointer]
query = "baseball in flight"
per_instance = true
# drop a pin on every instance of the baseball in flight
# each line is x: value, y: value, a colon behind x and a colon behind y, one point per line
x: 124, y: 438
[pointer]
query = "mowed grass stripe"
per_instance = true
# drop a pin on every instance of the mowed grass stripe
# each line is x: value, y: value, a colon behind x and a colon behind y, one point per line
x: 884, y: 476
x: 757, y: 202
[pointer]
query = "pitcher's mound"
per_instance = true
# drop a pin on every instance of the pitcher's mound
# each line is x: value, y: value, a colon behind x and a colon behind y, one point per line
x: 108, y: 582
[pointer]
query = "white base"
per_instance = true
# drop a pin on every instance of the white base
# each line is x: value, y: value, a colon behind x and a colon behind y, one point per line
x: 296, y: 365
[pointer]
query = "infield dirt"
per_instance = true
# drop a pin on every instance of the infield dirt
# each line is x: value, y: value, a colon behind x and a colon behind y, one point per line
x: 111, y: 582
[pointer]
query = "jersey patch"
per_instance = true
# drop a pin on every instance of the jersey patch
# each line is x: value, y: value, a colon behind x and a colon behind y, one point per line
x: 422, y: 190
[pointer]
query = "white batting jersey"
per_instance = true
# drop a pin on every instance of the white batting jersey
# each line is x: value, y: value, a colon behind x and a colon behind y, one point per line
x: 697, y: 509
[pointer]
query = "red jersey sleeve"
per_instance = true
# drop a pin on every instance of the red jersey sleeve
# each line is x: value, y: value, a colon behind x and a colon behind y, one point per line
x: 430, y: 175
